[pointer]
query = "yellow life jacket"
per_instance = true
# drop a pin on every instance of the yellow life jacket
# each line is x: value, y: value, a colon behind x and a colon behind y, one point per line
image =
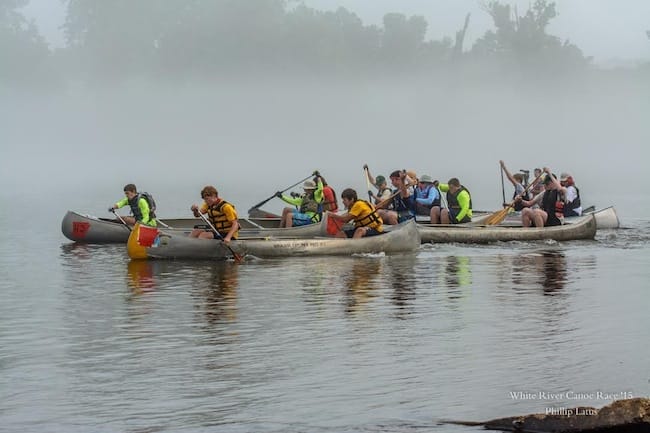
x: 371, y: 219
x: 218, y: 218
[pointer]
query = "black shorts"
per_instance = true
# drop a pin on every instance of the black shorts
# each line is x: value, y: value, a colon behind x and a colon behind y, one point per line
x: 452, y: 217
x: 369, y: 232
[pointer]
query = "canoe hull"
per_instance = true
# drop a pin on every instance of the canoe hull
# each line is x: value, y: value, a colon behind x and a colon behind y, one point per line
x: 170, y: 246
x: 606, y: 218
x: 90, y: 229
x: 93, y: 230
x: 580, y: 228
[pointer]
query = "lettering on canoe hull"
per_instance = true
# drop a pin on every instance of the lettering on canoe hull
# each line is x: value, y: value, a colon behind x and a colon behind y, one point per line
x: 301, y: 244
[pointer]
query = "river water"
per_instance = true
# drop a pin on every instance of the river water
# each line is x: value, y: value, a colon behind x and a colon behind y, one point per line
x: 92, y: 341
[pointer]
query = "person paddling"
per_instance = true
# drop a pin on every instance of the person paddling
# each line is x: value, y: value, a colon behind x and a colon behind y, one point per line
x: 221, y: 214
x: 550, y: 204
x: 309, y: 205
x: 139, y: 207
x: 366, y: 220
x: 517, y: 181
x: 459, y: 201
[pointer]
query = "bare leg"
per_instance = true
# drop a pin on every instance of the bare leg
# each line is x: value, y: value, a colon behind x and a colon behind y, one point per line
x: 540, y: 218
x: 527, y: 215
x: 388, y: 216
x: 286, y: 213
x: 444, y: 216
x: 359, y: 233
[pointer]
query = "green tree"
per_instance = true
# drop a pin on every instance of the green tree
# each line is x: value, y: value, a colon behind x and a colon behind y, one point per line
x: 23, y: 50
x: 114, y: 38
x: 523, y: 40
x: 402, y: 40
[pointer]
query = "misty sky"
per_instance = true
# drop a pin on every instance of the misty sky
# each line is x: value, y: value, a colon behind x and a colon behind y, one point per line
x: 605, y: 29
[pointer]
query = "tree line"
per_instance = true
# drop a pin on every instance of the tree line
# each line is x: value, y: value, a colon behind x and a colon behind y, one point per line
x: 120, y: 39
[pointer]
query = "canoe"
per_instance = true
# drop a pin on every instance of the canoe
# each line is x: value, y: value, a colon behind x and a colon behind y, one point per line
x: 150, y: 243
x: 578, y: 228
x: 606, y: 218
x: 261, y: 213
x: 91, y: 229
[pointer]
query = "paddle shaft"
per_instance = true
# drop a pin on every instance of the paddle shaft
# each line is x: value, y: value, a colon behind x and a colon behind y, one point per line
x: 385, y: 201
x: 263, y: 202
x: 121, y: 219
x: 503, y: 186
x: 368, y: 183
x: 527, y: 188
x: 498, y: 216
x: 443, y: 199
x: 167, y: 226
x: 236, y: 256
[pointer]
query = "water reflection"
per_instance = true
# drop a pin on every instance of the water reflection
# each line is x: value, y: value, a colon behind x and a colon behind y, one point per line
x: 404, y: 281
x: 359, y: 283
x: 457, y: 274
x: 554, y: 271
x: 545, y: 268
x: 140, y: 276
x: 75, y: 250
x: 218, y: 293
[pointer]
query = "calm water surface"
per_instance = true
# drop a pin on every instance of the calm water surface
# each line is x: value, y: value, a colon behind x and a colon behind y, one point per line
x: 92, y: 341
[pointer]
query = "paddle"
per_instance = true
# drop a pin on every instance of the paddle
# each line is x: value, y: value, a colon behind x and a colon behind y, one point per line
x: 443, y: 199
x: 365, y: 168
x: 503, y: 186
x: 387, y: 200
x: 263, y: 202
x: 500, y: 215
x: 167, y: 226
x: 121, y: 219
x: 236, y: 256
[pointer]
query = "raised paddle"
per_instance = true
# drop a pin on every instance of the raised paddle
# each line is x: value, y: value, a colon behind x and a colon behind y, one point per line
x: 387, y: 200
x: 121, y: 219
x: 500, y: 215
x: 263, y: 202
x: 236, y: 256
x: 365, y: 168
x: 503, y: 186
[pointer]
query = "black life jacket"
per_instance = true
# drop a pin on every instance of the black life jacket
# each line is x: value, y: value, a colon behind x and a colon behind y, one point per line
x: 552, y: 204
x: 525, y: 196
x: 309, y: 204
x: 401, y: 204
x: 452, y: 199
x: 135, y: 209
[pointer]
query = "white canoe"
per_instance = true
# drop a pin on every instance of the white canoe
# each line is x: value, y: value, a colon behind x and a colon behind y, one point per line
x: 579, y: 228
x: 146, y: 242
x: 606, y: 218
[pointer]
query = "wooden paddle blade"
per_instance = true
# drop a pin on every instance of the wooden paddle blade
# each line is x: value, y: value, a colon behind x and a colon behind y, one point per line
x: 497, y: 217
x: 237, y: 257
